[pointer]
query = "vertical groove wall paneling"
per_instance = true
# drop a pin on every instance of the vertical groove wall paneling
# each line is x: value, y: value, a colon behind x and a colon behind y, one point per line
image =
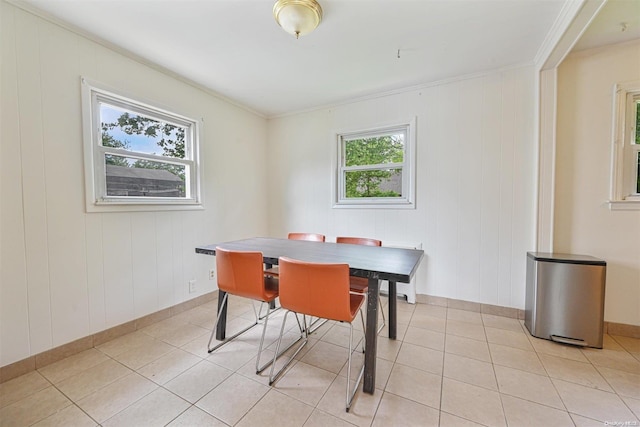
x: 70, y: 273
x: 62, y: 124
x: 34, y: 181
x: 507, y: 139
x: 96, y: 294
x: 470, y: 191
x: 469, y: 144
x: 118, y: 268
x: 14, y: 310
x: 489, y: 212
x: 144, y: 263
x: 164, y: 254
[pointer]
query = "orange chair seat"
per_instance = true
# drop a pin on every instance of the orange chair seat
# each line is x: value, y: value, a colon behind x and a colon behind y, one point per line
x: 355, y: 302
x: 273, y: 271
x: 358, y: 284
x: 268, y: 294
x: 270, y: 288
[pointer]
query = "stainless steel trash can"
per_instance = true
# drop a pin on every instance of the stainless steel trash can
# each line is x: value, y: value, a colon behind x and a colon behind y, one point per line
x: 565, y: 298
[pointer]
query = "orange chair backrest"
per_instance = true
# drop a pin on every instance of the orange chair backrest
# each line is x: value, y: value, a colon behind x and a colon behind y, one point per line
x: 359, y: 241
x: 320, y: 290
x: 307, y: 236
x: 241, y: 273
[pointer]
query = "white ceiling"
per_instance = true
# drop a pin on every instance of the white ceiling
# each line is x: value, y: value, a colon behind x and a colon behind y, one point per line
x: 235, y: 48
x: 607, y: 27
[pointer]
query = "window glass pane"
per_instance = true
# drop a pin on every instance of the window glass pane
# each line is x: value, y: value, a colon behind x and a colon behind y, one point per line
x: 374, y: 183
x: 131, y: 177
x: 638, y: 176
x: 375, y: 150
x: 135, y: 132
x: 637, y: 139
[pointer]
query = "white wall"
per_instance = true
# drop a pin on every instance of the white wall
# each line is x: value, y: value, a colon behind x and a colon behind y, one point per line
x: 475, y: 182
x: 64, y: 273
x: 583, y: 222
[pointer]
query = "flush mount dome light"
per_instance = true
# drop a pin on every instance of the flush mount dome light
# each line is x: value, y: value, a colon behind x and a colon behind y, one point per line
x: 297, y: 17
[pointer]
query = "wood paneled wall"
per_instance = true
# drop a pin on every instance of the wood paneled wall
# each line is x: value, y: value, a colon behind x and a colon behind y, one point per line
x: 475, y: 173
x: 67, y: 274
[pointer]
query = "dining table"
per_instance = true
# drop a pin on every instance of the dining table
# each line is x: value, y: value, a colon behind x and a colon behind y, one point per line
x: 376, y: 263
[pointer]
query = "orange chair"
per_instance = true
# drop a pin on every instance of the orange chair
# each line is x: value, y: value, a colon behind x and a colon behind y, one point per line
x: 360, y: 285
x: 273, y: 271
x: 241, y: 274
x: 313, y: 237
x: 320, y: 290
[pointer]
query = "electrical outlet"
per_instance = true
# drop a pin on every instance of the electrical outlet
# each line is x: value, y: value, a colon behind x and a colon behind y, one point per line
x: 192, y: 286
x: 212, y: 274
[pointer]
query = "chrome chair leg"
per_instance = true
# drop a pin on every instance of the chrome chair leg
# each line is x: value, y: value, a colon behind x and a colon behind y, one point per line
x: 260, y: 310
x: 225, y: 301
x: 264, y: 331
x: 312, y: 324
x: 364, y: 335
x: 384, y: 319
x: 351, y: 393
x: 302, y: 328
x: 303, y: 335
x: 260, y: 369
x: 268, y: 308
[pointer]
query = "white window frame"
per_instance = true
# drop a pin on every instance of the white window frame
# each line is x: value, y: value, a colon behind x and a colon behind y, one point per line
x: 624, y: 159
x: 97, y: 199
x: 407, y: 200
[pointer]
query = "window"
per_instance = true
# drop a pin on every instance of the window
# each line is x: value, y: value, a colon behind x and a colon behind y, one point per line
x: 625, y: 188
x: 136, y: 154
x: 375, y: 167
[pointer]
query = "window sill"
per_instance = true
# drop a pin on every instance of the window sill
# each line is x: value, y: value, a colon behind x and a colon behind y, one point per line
x: 624, y: 205
x: 407, y: 205
x: 149, y: 207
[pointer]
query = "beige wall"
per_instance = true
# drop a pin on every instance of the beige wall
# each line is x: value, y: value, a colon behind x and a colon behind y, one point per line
x: 583, y: 222
x: 65, y: 273
x: 475, y: 181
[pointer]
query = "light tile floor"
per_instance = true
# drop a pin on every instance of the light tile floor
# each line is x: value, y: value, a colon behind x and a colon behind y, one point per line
x: 448, y: 368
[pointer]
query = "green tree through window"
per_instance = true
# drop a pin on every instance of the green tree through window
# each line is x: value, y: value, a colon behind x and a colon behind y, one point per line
x: 638, y: 142
x: 170, y: 138
x: 380, y: 151
x: 110, y: 141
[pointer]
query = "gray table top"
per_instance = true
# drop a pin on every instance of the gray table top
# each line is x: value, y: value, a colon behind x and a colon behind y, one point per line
x: 377, y: 262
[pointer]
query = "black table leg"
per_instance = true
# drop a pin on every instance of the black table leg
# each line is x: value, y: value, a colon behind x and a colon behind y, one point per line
x: 371, y: 344
x: 393, y: 313
x: 222, y: 323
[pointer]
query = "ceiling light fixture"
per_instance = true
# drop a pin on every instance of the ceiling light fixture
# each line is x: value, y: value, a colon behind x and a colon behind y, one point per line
x: 297, y: 17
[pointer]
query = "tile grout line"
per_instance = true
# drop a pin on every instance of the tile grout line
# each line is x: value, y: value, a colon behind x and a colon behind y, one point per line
x: 594, y: 364
x: 444, y: 352
x: 495, y: 375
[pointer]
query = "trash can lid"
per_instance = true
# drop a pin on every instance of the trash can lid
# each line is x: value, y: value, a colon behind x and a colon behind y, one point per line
x: 566, y: 258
